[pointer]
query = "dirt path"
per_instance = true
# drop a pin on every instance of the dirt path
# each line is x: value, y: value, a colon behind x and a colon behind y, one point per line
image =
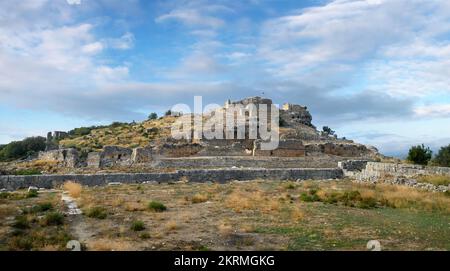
x: 78, y: 226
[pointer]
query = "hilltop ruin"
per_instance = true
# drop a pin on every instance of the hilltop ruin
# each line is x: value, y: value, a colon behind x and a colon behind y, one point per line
x: 300, y: 144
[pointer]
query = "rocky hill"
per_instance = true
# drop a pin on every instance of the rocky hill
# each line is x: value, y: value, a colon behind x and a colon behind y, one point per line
x: 149, y: 144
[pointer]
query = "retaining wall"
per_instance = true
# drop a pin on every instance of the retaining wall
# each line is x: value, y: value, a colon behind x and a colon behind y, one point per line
x: 247, y: 162
x: 201, y: 175
x: 364, y: 170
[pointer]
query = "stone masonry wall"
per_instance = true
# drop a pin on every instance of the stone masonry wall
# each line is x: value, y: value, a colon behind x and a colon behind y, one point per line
x: 375, y: 170
x: 201, y: 175
x: 397, y: 174
x: 246, y: 162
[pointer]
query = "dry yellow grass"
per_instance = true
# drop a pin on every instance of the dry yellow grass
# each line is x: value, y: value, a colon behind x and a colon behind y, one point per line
x: 224, y: 228
x: 172, y: 225
x: 407, y: 197
x: 134, y: 207
x: 395, y: 196
x: 117, y: 201
x: 247, y: 228
x: 297, y: 214
x: 199, y: 198
x: 435, y: 179
x: 240, y: 200
x: 74, y: 189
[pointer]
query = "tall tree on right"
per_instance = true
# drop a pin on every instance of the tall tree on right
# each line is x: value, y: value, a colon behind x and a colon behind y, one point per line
x: 443, y: 157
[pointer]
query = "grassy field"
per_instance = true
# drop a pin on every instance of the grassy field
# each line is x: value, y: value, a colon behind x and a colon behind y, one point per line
x: 256, y: 215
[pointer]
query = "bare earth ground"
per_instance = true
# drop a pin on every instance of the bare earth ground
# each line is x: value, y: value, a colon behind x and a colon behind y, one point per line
x: 256, y: 215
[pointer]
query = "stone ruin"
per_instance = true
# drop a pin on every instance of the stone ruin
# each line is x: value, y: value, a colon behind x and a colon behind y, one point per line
x: 52, y: 140
x: 298, y: 139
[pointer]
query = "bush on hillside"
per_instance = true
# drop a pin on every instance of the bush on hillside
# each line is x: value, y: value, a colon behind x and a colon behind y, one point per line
x: 419, y: 154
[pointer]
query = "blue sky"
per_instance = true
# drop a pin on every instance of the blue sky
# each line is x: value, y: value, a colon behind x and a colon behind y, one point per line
x: 377, y: 71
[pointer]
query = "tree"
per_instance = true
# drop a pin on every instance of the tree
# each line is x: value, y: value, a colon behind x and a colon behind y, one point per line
x: 82, y: 131
x: 168, y: 113
x: 20, y: 149
x: 327, y: 131
x: 443, y: 157
x: 153, y: 116
x: 419, y: 154
x: 34, y: 144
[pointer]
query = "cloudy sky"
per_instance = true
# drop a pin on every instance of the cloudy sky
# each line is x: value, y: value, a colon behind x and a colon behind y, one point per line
x: 377, y: 71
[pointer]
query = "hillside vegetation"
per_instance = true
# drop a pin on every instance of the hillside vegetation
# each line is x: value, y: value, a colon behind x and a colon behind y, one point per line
x: 120, y: 134
x: 21, y: 149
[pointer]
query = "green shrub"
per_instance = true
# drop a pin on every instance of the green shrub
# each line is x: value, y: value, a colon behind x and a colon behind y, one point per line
x: 290, y: 186
x: 420, y: 155
x: 39, y: 208
x: 27, y: 172
x: 348, y: 198
x: 308, y: 197
x: 4, y: 195
x: 32, y: 194
x: 332, y: 198
x: 367, y: 203
x: 54, y: 219
x: 157, y: 206
x: 21, y: 243
x: 138, y: 225
x: 21, y: 222
x: 45, y: 206
x: 117, y: 124
x: 153, y: 116
x: 97, y: 212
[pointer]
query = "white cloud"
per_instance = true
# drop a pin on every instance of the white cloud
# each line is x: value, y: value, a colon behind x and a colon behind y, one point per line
x: 196, y: 14
x: 93, y: 48
x: 433, y: 110
x: 191, y: 17
x: 123, y: 43
x: 348, y: 32
x: 74, y: 2
x: 109, y: 74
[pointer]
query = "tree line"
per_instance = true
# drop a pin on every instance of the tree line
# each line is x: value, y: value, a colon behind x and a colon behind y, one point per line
x: 22, y: 149
x: 423, y: 155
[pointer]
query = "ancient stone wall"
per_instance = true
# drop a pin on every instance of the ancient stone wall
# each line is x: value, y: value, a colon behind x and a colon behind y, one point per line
x: 142, y: 155
x: 352, y: 168
x: 66, y: 157
x: 53, y: 139
x: 339, y: 149
x: 286, y: 148
x: 375, y: 170
x: 246, y: 162
x: 115, y: 155
x: 201, y: 175
x: 392, y: 173
x: 179, y: 150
